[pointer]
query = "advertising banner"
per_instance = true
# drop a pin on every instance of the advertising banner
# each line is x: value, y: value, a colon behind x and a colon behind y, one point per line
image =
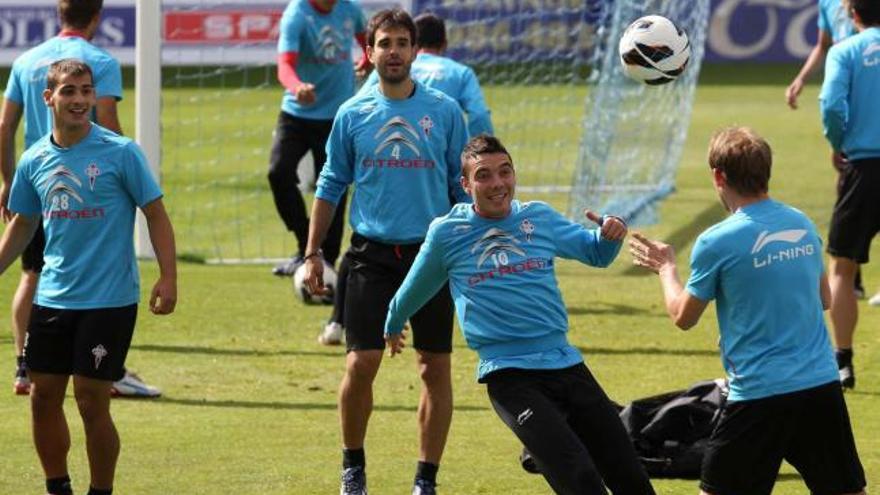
x: 244, y: 32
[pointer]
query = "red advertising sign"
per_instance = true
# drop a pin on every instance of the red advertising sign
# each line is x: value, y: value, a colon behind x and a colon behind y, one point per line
x: 222, y: 26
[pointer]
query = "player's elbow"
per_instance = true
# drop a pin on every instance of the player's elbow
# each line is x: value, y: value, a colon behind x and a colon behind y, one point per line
x: 684, y: 324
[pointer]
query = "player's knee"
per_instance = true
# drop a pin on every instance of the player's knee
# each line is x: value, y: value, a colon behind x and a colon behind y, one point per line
x: 434, y: 369
x: 91, y: 404
x: 363, y: 366
x: 44, y: 401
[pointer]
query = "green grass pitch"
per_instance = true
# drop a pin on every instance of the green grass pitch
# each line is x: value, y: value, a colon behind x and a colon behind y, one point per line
x: 249, y: 400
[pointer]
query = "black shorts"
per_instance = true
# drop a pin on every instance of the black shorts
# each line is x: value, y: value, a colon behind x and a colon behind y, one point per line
x: 571, y: 429
x: 809, y: 428
x: 32, y: 256
x: 856, y: 217
x: 85, y: 342
x: 293, y: 138
x: 376, y: 271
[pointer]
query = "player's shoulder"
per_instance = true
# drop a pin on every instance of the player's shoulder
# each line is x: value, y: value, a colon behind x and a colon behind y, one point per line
x: 39, y: 149
x: 855, y: 46
x: 435, y: 97
x: 111, y: 142
x: 533, y: 208
x: 459, y: 214
x: 363, y: 102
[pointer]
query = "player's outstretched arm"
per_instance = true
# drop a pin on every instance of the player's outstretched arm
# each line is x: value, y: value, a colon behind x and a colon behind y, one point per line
x: 683, y: 308
x: 16, y: 237
x: 163, y: 298
x: 10, y: 117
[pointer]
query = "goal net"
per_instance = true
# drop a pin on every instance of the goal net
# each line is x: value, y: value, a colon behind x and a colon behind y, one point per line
x: 580, y: 134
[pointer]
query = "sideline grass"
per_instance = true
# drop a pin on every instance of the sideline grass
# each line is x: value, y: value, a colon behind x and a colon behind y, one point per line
x: 249, y: 403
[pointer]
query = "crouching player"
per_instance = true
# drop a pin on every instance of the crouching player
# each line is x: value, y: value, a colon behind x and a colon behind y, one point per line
x: 83, y: 182
x: 763, y: 266
x: 498, y: 256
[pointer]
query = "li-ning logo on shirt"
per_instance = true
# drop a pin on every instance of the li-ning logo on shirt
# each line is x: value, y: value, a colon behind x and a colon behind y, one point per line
x: 792, y: 236
x: 495, y: 245
x: 398, y: 132
x: 99, y: 352
x: 524, y: 416
x: 869, y: 56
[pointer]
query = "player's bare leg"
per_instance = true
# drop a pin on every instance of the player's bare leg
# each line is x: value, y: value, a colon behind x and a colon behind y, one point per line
x: 844, y: 307
x: 435, y: 404
x: 102, y: 440
x: 356, y: 396
x: 51, y: 435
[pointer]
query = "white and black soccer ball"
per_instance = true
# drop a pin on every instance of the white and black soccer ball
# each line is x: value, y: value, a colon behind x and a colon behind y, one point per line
x: 302, y: 292
x: 654, y: 50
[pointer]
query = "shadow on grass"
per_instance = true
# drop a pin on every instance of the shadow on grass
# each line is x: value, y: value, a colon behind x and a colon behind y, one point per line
x: 649, y: 351
x: 603, y: 308
x: 211, y: 351
x: 686, y: 234
x: 295, y: 406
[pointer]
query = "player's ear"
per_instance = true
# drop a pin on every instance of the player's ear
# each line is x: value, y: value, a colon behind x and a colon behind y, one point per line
x: 465, y: 184
x: 47, y: 97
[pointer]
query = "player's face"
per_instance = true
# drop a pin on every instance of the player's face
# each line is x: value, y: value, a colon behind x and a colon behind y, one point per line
x: 392, y: 54
x: 72, y: 100
x: 491, y: 182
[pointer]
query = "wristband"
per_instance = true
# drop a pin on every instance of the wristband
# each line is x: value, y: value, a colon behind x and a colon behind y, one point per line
x: 317, y: 253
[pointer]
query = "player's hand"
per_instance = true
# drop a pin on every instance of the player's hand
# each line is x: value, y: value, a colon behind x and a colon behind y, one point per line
x: 4, y: 203
x: 305, y: 93
x: 839, y: 161
x: 395, y: 342
x: 163, y: 298
x: 792, y: 92
x: 314, y: 277
x: 653, y: 255
x: 611, y: 228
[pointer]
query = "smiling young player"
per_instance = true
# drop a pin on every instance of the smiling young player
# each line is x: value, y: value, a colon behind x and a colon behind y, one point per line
x: 498, y: 256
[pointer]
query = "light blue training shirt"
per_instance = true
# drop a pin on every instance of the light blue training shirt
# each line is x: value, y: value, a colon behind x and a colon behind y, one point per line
x: 86, y: 195
x: 848, y: 100
x: 763, y: 266
x: 27, y: 81
x: 404, y: 157
x: 323, y: 42
x: 834, y: 20
x: 502, y: 278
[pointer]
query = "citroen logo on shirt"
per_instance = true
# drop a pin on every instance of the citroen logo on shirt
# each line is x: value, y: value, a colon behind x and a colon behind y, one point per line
x: 495, y: 245
x: 395, y: 134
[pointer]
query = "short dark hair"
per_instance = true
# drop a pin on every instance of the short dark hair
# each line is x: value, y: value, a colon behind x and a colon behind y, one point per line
x: 66, y: 66
x: 432, y: 31
x: 388, y: 19
x: 481, y: 144
x: 868, y: 10
x: 744, y: 157
x: 78, y: 13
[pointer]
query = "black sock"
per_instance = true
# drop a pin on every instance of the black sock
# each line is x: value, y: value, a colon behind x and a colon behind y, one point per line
x: 427, y: 471
x: 19, y: 360
x: 844, y: 357
x: 353, y: 458
x: 59, y: 486
x: 95, y: 491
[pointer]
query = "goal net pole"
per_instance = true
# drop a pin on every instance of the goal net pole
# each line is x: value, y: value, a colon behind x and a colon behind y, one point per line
x: 147, y: 102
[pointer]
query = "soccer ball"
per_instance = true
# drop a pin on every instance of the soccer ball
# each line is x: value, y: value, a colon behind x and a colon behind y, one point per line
x: 302, y: 292
x: 654, y: 50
